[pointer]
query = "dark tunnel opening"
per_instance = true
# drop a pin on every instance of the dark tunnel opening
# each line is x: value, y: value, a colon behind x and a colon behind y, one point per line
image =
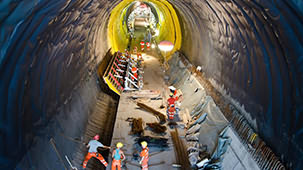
x: 251, y: 51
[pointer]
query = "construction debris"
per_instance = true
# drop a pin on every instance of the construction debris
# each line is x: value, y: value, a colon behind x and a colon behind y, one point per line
x: 158, y: 142
x: 198, y: 120
x: 180, y: 150
x: 159, y: 115
x: 193, y: 158
x: 193, y: 129
x: 176, y: 166
x: 157, y: 127
x: 193, y: 137
x: 137, y: 126
x: 156, y: 98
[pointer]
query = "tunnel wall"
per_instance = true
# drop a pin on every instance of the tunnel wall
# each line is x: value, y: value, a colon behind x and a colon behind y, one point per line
x: 254, y: 51
x: 253, y: 48
x: 49, y: 51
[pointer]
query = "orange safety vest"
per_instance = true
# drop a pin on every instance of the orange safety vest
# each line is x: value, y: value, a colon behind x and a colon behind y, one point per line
x: 144, y: 153
x: 172, y: 100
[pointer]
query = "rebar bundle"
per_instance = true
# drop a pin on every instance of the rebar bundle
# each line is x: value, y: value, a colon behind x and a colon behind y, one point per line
x: 156, y: 127
x: 137, y: 126
x: 181, y: 151
x: 158, y: 114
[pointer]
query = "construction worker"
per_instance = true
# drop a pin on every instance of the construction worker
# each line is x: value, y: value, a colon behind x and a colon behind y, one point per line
x: 139, y: 57
x: 142, y: 45
x: 173, y: 101
x: 92, y: 152
x: 147, y: 46
x: 134, y: 72
x: 144, y: 156
x: 135, y: 50
x: 117, y: 156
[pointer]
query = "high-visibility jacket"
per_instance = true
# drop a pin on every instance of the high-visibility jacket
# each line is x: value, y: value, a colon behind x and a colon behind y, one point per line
x: 135, y: 74
x: 144, y: 153
x: 172, y: 100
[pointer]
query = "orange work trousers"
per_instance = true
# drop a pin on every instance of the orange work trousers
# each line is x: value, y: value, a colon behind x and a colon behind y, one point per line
x: 116, y: 163
x: 96, y: 155
x: 144, y: 165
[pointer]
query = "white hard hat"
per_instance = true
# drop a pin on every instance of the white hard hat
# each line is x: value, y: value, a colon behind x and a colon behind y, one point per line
x: 172, y: 88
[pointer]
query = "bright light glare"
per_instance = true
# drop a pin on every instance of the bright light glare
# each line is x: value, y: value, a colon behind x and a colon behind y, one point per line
x: 166, y: 46
x: 153, y: 46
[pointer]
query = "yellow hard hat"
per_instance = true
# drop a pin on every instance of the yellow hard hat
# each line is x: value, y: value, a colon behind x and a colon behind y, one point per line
x: 144, y: 144
x: 119, y: 145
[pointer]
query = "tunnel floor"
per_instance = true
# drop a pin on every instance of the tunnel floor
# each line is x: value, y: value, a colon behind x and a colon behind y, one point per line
x: 161, y: 157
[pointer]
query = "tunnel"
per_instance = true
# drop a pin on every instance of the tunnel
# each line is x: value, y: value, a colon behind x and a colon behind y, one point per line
x: 250, y: 51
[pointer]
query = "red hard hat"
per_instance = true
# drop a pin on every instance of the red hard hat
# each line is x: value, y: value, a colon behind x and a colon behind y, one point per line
x: 134, y: 69
x: 97, y: 137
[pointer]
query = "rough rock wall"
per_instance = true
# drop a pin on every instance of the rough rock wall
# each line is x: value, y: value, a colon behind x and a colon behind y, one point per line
x: 48, y: 49
x: 255, y: 50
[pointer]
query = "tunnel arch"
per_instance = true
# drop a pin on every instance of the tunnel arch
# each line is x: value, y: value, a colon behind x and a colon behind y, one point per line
x: 169, y: 26
x: 251, y: 50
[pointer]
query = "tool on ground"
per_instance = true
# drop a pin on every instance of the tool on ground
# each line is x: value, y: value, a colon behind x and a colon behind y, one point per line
x: 70, y: 164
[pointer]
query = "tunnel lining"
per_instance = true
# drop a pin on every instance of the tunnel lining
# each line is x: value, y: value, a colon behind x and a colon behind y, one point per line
x: 23, y: 70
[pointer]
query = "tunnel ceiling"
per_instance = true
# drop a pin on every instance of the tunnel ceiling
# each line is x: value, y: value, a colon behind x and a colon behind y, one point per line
x: 250, y: 48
